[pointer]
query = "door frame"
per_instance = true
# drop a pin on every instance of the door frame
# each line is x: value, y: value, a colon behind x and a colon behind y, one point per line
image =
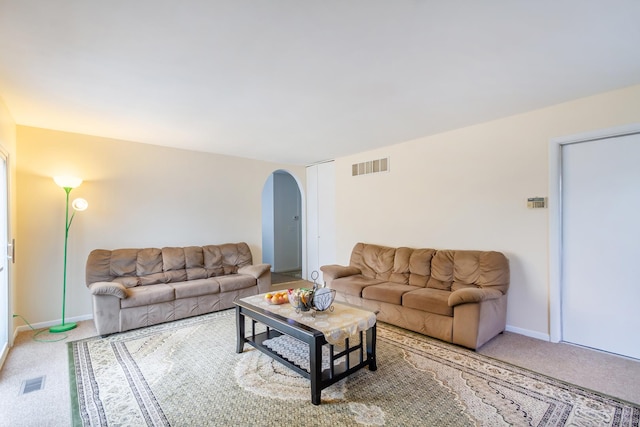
x: 8, y: 326
x: 303, y: 216
x: 555, y: 216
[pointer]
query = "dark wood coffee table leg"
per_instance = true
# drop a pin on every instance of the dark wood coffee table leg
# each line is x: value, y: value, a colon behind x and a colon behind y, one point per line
x: 239, y: 330
x: 315, y: 369
x: 371, y: 348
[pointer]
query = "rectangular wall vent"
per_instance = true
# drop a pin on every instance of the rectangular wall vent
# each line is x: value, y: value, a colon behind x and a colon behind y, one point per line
x: 33, y: 384
x: 372, y: 166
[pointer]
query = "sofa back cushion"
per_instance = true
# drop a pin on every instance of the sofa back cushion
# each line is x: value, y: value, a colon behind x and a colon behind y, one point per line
x: 375, y: 262
x: 420, y: 266
x: 447, y: 270
x: 133, y: 267
x: 453, y: 270
x: 412, y: 266
x: 404, y: 266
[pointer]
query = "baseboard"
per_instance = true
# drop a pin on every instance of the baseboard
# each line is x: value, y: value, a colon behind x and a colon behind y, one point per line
x: 528, y: 333
x: 509, y: 328
x: 51, y: 323
x: 4, y: 354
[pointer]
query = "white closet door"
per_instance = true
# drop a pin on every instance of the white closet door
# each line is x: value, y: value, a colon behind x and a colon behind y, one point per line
x: 326, y: 215
x: 312, y: 221
x: 321, y: 217
x: 601, y: 244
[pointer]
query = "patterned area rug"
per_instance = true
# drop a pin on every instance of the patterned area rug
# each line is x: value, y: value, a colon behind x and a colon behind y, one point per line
x: 187, y: 373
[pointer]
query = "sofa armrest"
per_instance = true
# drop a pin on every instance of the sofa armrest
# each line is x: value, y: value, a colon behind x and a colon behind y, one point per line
x: 262, y: 273
x: 256, y: 270
x: 467, y: 295
x: 335, y: 271
x: 108, y: 288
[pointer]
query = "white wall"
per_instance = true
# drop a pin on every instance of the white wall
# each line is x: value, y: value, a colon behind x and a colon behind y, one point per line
x: 139, y: 196
x: 467, y: 189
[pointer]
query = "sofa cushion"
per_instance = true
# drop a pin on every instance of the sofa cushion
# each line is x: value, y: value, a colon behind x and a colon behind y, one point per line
x: 420, y: 267
x: 148, y: 261
x: 400, y: 273
x: 428, y: 299
x: 197, y: 273
x: 229, y: 269
x: 123, y: 262
x: 453, y: 270
x: 236, y: 255
x: 441, y: 271
x: 375, y: 262
x: 196, y: 288
x: 353, y: 285
x: 193, y: 257
x: 127, y: 281
x: 212, y: 256
x: 234, y: 282
x: 145, y: 295
x: 493, y: 270
x: 387, y: 292
x: 152, y: 279
x: 194, y: 263
x: 98, y: 266
x: 173, y: 259
x: 175, y: 276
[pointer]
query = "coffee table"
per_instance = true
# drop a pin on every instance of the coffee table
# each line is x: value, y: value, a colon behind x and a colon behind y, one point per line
x: 344, y: 327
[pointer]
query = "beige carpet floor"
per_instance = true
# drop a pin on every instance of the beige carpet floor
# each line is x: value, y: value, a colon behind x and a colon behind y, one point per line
x: 50, y: 406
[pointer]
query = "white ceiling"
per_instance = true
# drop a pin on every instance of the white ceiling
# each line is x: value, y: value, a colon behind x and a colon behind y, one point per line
x: 300, y: 81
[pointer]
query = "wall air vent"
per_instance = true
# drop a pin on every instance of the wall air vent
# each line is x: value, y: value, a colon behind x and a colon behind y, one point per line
x: 372, y: 166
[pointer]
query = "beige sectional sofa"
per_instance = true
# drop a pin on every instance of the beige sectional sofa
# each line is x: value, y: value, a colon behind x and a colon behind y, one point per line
x: 132, y: 288
x: 459, y: 296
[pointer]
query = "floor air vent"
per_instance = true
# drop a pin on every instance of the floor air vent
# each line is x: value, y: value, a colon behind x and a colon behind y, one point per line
x: 372, y: 166
x: 33, y: 384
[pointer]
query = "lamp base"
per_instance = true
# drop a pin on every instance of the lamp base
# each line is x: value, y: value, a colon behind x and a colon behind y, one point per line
x: 62, y: 328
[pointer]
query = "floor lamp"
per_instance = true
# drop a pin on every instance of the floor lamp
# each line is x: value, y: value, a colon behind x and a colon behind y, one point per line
x: 68, y: 184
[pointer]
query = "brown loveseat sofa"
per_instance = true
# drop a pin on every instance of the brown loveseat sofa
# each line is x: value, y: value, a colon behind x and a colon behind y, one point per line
x: 455, y: 296
x: 132, y: 288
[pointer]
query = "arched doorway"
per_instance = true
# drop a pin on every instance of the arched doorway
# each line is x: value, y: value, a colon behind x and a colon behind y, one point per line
x: 282, y: 226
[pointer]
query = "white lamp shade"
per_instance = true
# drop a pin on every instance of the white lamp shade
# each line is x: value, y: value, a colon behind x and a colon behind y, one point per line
x: 80, y: 204
x: 67, y: 181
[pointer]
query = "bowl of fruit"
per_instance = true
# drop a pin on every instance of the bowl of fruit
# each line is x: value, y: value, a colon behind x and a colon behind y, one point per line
x: 301, y: 299
x: 276, y: 298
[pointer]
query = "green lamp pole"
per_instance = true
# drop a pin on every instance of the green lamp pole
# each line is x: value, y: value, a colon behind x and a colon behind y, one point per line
x: 67, y: 184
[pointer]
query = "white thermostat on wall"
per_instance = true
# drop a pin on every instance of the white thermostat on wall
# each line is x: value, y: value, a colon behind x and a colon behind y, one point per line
x: 536, y: 202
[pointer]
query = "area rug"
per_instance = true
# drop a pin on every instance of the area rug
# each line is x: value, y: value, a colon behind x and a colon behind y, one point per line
x: 186, y: 373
